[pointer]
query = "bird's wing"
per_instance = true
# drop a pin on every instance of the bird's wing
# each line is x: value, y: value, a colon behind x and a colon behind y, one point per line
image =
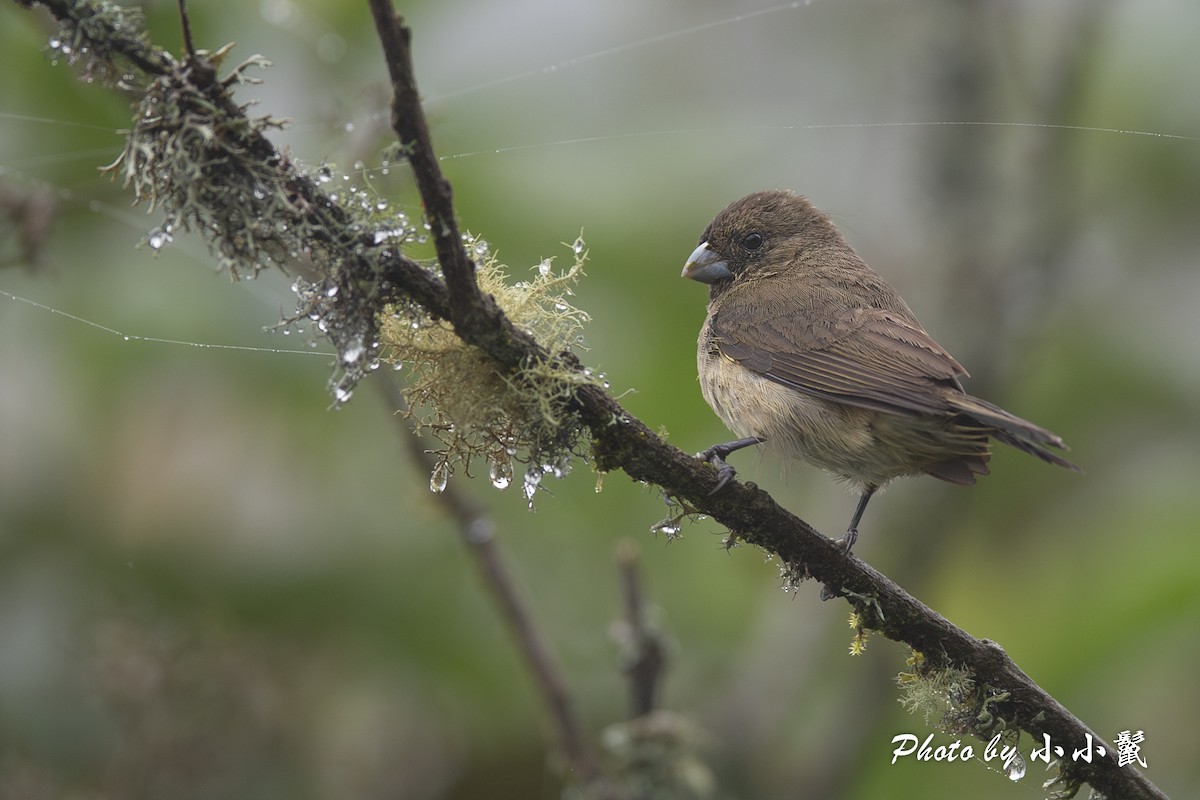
x: 865, y: 357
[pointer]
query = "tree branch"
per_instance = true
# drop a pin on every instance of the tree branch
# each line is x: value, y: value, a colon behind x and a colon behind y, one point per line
x: 645, y: 654
x: 478, y: 533
x: 375, y: 275
x: 474, y: 316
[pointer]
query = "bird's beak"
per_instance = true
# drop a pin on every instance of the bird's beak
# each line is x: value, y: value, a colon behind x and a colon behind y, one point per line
x: 705, y: 265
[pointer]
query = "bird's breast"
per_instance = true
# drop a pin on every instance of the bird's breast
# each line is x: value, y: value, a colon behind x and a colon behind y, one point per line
x: 830, y: 435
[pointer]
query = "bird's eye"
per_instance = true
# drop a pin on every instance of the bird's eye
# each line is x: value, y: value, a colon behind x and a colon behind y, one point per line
x: 752, y: 241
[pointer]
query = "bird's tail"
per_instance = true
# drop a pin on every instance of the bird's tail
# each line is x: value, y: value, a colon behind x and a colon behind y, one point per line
x: 1014, y: 431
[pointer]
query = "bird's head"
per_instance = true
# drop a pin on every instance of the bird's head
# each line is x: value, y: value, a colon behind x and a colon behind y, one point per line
x: 756, y: 236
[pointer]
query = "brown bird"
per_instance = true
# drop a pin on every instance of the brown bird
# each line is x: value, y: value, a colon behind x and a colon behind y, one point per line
x: 805, y: 348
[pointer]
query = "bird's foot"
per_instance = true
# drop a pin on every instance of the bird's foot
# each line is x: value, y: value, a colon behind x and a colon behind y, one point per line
x: 716, y: 455
x: 847, y: 541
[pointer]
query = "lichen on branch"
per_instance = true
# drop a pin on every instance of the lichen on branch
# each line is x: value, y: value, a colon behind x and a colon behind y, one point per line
x: 459, y: 396
x: 208, y: 172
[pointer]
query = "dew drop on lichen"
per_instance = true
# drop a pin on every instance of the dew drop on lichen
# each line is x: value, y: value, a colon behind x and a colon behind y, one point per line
x: 439, y: 478
x: 668, y: 527
x: 159, y: 238
x: 501, y: 473
x: 1014, y: 768
x: 533, y: 479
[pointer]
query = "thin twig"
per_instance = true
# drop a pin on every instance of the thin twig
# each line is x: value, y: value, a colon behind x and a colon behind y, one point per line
x: 472, y: 313
x: 186, y: 24
x: 646, y: 654
x: 478, y: 533
x: 417, y: 146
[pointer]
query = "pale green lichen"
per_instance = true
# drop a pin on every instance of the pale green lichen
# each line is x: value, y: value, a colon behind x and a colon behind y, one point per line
x: 194, y: 154
x: 939, y: 693
x: 658, y: 757
x: 952, y: 702
x: 105, y: 40
x: 208, y: 171
x: 459, y: 397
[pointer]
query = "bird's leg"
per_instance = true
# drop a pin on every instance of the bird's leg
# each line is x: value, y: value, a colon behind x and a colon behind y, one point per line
x: 851, y: 536
x: 716, y: 454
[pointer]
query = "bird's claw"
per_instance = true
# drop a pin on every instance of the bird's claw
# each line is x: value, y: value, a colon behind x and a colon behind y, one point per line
x: 725, y: 472
x: 847, y: 541
x: 716, y: 454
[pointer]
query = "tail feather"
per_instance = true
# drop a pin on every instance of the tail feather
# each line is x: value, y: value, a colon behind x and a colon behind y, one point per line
x: 1014, y: 431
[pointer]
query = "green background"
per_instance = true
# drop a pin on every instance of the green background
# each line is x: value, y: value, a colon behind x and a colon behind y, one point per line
x: 213, y: 586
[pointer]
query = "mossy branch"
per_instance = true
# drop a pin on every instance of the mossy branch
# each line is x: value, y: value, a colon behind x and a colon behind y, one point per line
x: 360, y: 278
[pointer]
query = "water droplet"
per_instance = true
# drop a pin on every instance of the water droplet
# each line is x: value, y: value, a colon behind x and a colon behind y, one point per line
x: 559, y: 469
x: 382, y: 236
x: 342, y: 395
x: 1014, y: 768
x: 159, y: 238
x: 533, y: 478
x: 381, y: 205
x: 577, y: 246
x: 352, y: 353
x: 544, y: 267
x: 348, y: 127
x: 439, y: 478
x: 480, y: 248
x: 501, y: 473
x: 668, y: 527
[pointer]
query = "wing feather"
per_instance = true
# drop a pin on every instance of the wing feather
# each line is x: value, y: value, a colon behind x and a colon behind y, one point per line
x: 867, y: 357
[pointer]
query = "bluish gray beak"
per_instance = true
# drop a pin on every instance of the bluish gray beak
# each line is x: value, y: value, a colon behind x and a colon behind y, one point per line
x: 705, y: 265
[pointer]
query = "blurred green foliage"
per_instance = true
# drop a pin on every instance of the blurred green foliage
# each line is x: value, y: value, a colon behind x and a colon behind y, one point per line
x: 213, y: 586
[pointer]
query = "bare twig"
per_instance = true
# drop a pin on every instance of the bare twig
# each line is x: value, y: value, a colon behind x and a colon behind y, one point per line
x: 478, y: 533
x: 186, y: 23
x: 474, y: 315
x: 645, y: 652
x: 619, y: 440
